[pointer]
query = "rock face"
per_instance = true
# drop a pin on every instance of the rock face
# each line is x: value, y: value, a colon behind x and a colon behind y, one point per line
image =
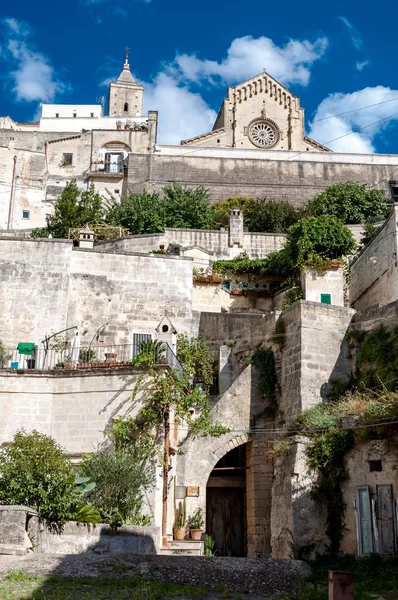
x: 13, y: 537
x: 267, y: 576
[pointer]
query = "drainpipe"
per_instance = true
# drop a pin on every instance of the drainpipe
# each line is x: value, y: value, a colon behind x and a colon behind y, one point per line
x: 11, y: 206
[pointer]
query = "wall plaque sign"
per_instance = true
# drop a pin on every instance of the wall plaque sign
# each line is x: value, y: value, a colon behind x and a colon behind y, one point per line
x: 192, y: 491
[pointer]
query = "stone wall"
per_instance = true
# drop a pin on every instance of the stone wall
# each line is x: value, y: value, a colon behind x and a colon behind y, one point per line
x: 257, y: 245
x: 34, y: 286
x: 358, y: 466
x: 315, y: 354
x: 73, y: 407
x: 298, y: 523
x: 130, y: 292
x: 46, y: 286
x: 374, y: 274
x: 272, y: 174
x: 374, y: 316
x: 22, y: 177
x: 79, y: 538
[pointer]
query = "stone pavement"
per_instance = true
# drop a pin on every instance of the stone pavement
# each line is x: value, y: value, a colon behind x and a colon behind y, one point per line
x: 257, y: 577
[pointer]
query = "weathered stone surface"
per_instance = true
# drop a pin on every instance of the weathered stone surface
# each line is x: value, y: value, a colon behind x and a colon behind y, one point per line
x: 262, y: 576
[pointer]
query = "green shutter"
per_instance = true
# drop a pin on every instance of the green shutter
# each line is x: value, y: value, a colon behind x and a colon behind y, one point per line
x: 326, y: 298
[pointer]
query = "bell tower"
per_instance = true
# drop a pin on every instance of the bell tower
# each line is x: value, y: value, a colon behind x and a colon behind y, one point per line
x: 125, y: 95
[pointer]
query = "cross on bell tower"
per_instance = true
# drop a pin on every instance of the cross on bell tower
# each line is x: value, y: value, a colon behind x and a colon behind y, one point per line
x: 125, y: 95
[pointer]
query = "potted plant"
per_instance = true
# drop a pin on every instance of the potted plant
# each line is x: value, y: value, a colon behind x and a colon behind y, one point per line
x: 119, y: 125
x: 196, y: 523
x: 179, y: 521
x: 111, y: 356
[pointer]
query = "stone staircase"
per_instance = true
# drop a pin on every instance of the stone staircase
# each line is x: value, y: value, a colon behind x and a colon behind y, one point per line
x: 184, y: 548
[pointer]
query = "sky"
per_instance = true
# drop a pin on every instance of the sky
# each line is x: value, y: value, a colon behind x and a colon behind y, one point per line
x: 339, y: 57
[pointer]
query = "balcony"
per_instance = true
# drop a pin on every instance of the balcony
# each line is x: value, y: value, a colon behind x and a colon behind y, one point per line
x: 109, y: 168
x: 89, y: 358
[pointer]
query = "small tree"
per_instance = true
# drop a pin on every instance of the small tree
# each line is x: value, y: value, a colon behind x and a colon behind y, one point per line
x: 121, y: 478
x: 187, y: 207
x: 314, y: 238
x: 170, y: 389
x: 349, y: 201
x: 35, y: 471
x: 139, y: 213
x: 246, y: 204
x: 73, y: 209
x: 270, y: 216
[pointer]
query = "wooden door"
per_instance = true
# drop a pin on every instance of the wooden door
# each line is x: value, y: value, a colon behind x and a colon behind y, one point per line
x: 364, y: 515
x: 385, y: 510
x: 225, y: 520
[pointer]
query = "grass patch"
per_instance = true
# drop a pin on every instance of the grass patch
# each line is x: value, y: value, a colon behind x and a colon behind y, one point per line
x: 374, y: 576
x: 21, y: 586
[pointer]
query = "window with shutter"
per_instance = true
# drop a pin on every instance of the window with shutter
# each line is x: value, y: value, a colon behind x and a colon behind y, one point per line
x: 137, y: 339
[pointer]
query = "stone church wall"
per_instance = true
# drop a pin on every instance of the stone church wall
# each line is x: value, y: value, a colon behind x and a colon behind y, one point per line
x: 296, y: 178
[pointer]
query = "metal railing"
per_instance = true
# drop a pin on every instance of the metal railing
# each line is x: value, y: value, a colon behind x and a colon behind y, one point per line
x: 91, y: 357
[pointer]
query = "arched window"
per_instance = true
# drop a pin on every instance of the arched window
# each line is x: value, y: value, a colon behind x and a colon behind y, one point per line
x: 126, y: 107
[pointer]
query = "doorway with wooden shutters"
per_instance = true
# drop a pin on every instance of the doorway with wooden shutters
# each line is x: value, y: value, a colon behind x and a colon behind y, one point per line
x: 225, y: 504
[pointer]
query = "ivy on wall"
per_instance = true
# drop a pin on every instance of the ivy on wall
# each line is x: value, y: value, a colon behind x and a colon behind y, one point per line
x: 368, y: 410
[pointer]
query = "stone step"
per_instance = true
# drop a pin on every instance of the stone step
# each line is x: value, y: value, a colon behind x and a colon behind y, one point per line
x: 187, y: 544
x: 13, y: 549
x: 180, y: 552
x: 183, y: 548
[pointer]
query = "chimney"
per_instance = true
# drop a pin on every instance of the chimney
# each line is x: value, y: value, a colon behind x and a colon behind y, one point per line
x: 235, y: 229
x: 86, y: 237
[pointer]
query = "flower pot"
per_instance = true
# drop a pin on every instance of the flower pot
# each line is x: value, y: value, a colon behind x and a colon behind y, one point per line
x: 110, y: 356
x: 196, y: 534
x: 179, y: 533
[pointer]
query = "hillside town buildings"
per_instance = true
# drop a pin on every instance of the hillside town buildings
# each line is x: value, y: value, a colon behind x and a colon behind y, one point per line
x: 257, y: 147
x: 108, y: 297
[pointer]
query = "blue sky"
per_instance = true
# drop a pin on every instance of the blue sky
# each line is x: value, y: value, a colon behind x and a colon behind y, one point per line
x: 337, y: 57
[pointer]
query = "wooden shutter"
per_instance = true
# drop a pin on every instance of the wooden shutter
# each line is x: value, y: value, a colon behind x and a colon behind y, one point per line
x: 364, y: 520
x: 385, y: 507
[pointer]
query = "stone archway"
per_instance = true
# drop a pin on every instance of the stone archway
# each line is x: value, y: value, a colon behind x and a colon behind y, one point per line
x: 226, y: 521
x: 196, y: 464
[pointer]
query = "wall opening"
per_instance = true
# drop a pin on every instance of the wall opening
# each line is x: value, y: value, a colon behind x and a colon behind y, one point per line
x: 226, y: 504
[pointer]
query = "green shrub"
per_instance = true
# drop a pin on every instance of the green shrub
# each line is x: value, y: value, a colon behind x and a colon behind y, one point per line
x: 35, y: 471
x: 121, y: 479
x: 314, y: 238
x: 350, y: 202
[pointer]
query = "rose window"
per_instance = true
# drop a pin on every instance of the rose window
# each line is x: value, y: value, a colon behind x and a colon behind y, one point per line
x: 263, y: 133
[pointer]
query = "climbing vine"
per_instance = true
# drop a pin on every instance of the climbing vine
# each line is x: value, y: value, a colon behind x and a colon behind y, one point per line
x: 374, y: 415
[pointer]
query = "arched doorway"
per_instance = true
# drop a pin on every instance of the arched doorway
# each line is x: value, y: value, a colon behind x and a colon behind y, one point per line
x: 226, y: 504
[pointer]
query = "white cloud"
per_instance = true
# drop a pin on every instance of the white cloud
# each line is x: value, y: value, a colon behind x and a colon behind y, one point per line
x: 182, y: 113
x: 32, y: 76
x: 248, y: 56
x: 360, y: 65
x: 353, y: 32
x: 383, y: 107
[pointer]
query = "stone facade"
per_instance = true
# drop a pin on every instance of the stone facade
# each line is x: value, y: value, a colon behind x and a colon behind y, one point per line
x: 259, y: 113
x: 48, y: 285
